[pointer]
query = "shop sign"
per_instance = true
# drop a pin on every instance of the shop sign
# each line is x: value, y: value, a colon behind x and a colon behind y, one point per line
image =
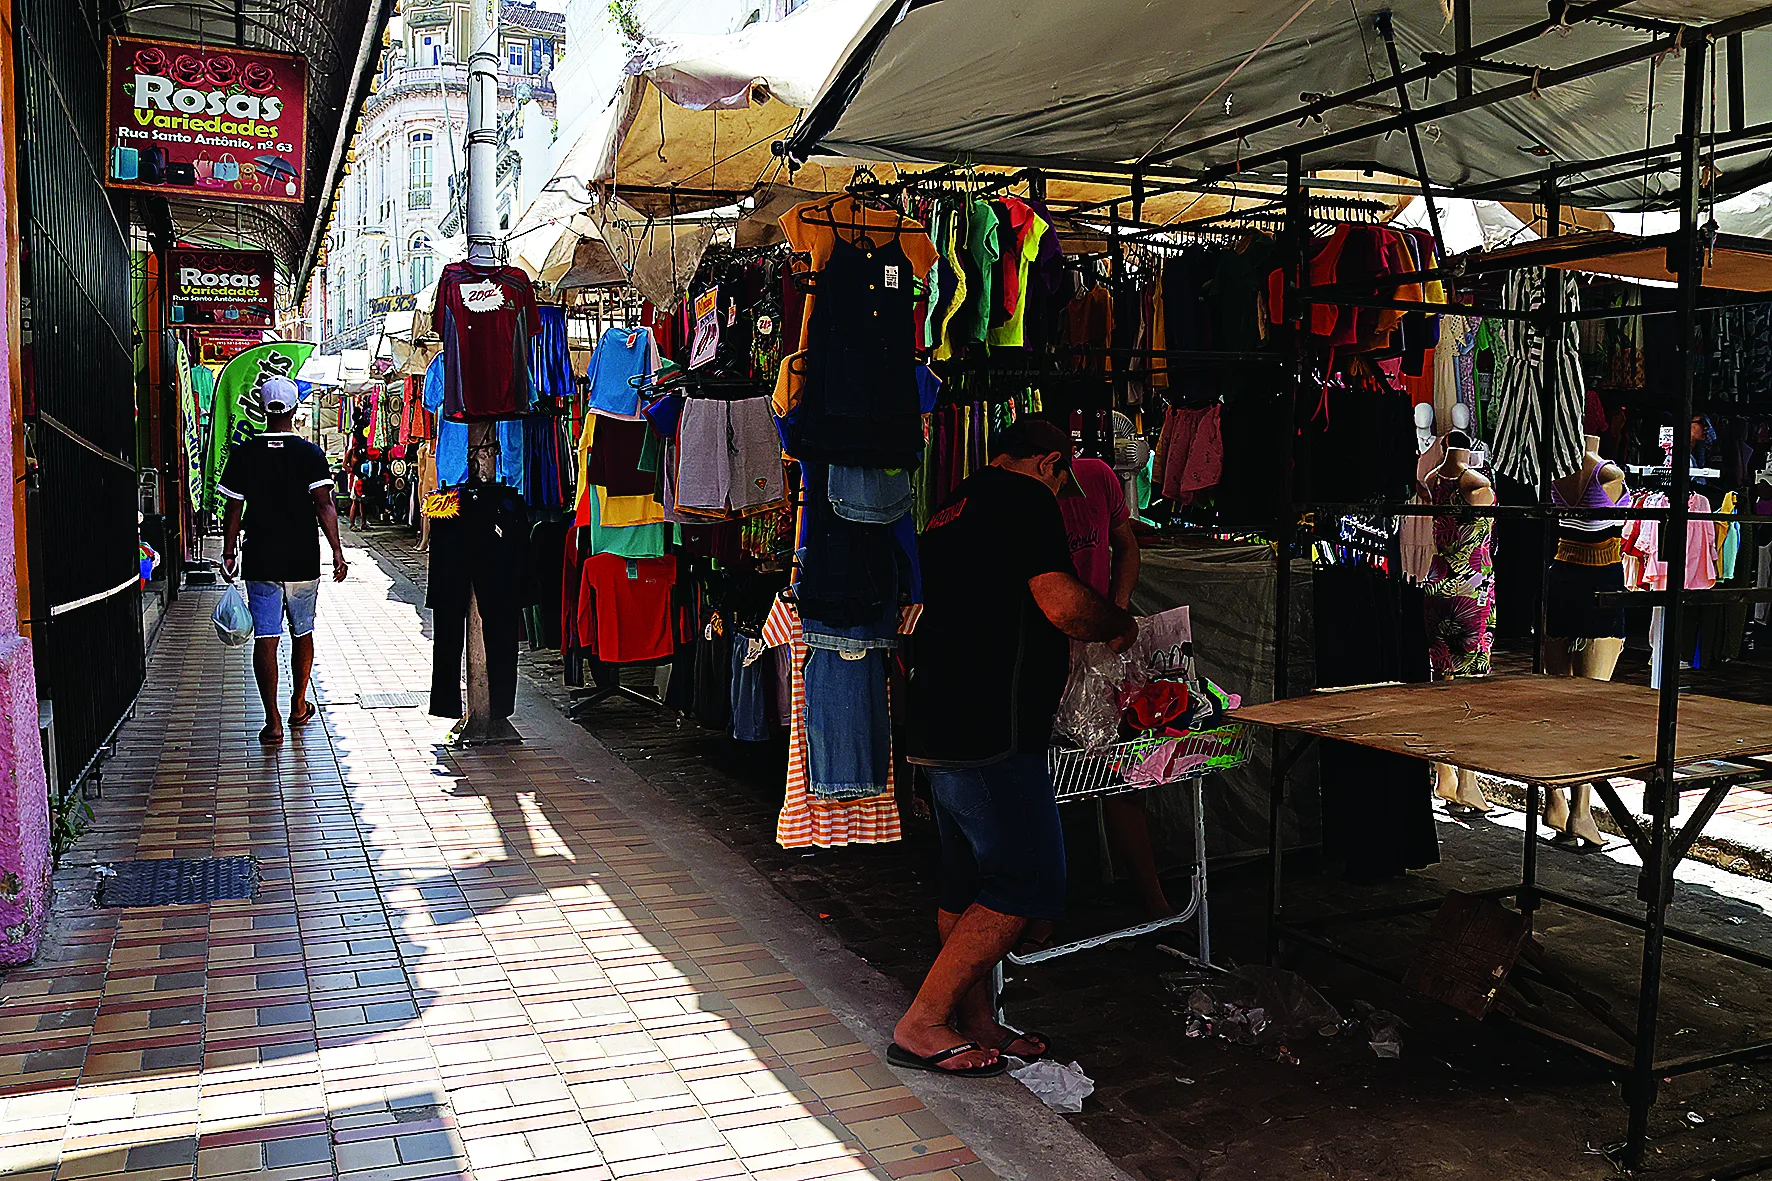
x: 381, y: 305
x: 219, y: 122
x: 223, y: 287
x: 215, y: 348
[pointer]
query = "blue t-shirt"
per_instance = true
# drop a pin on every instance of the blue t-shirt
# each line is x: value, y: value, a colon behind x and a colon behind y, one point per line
x: 452, y: 440
x: 622, y: 355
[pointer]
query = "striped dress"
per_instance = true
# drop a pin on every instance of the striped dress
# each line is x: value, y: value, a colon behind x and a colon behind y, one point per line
x: 806, y: 820
x: 1519, y: 403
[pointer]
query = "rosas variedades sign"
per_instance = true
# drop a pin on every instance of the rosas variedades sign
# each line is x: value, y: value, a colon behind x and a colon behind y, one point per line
x: 227, y: 288
x: 220, y: 122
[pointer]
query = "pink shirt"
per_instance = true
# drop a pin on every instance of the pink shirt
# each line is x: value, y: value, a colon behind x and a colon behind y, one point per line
x: 1090, y: 518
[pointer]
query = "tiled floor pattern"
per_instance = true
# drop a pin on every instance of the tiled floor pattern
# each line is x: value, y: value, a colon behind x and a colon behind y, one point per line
x: 460, y: 964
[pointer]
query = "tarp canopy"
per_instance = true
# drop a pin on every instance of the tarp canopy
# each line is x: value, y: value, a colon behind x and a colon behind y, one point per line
x: 1119, y: 82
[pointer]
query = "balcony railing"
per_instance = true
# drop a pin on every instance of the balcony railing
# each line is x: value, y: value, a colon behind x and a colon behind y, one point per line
x: 418, y: 198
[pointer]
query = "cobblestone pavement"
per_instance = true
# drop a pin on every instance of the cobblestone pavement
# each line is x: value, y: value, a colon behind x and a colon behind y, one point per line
x: 458, y: 964
x: 1465, y: 1101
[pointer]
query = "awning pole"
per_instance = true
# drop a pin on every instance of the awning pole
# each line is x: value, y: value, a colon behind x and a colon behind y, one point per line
x: 1661, y: 799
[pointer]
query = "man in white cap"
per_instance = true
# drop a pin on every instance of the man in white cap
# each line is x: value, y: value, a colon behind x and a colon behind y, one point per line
x: 279, y: 487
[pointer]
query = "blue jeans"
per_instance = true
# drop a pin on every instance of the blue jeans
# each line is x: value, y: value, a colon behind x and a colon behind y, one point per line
x: 1001, y: 843
x: 848, y: 730
x: 870, y: 496
x: 272, y: 601
x: 750, y: 717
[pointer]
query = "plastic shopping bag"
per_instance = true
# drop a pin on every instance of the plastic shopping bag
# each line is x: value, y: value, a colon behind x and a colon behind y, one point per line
x: 232, y: 619
x: 1089, y: 714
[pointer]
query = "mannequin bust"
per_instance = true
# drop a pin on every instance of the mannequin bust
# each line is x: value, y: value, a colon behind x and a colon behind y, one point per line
x: 1424, y: 427
x: 1458, y: 482
x: 1591, y: 656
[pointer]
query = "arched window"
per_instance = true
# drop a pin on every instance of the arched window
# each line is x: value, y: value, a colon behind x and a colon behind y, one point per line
x: 423, y: 262
x: 419, y: 170
x: 387, y: 267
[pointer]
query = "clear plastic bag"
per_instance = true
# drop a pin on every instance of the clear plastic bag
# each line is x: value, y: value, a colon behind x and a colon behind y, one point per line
x: 232, y: 618
x: 1089, y: 713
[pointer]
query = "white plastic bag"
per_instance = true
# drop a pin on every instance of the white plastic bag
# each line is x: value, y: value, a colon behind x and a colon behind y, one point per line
x: 232, y: 619
x: 1062, y: 1088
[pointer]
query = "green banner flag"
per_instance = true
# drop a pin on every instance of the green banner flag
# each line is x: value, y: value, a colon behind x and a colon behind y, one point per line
x: 238, y: 412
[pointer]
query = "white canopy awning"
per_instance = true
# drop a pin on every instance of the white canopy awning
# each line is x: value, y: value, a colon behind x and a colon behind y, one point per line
x: 1118, y: 82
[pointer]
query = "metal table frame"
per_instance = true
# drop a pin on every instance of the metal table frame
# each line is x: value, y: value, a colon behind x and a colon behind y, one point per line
x: 1661, y: 845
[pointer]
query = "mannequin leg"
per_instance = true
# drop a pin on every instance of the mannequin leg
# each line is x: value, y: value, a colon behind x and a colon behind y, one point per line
x: 1556, y: 809
x: 1446, y: 782
x: 1469, y: 793
x: 1581, y: 815
x: 1458, y: 786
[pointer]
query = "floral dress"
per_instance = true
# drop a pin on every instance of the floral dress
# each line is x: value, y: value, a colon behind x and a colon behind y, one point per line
x: 1460, y: 588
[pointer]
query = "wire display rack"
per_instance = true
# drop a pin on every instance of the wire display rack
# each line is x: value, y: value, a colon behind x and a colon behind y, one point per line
x: 1080, y: 774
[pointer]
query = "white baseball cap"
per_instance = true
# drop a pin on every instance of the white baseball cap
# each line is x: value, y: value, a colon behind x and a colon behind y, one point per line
x: 280, y: 395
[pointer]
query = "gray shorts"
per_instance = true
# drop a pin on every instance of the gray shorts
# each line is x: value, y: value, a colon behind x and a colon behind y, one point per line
x: 728, y: 455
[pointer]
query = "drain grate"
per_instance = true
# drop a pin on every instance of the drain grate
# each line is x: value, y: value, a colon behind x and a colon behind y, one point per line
x: 408, y: 700
x: 172, y: 881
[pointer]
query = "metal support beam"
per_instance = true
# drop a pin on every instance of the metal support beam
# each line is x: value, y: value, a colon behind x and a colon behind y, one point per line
x: 1550, y: 331
x: 1297, y: 245
x: 1562, y: 15
x: 1387, y: 30
x: 1461, y: 31
x: 1545, y: 80
x: 1737, y: 82
x: 1661, y: 797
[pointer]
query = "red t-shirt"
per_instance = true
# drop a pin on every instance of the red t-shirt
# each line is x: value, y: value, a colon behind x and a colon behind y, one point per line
x: 1090, y: 518
x: 485, y: 318
x: 630, y: 601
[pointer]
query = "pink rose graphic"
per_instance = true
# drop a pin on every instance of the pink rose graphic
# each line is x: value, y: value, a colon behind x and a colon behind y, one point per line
x: 188, y: 70
x: 258, y: 78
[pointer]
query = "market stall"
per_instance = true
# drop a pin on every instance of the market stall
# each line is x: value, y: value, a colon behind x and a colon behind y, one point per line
x: 1380, y: 333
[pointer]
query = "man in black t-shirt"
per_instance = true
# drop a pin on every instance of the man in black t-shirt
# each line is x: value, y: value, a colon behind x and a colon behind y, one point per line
x: 279, y: 488
x: 989, y: 660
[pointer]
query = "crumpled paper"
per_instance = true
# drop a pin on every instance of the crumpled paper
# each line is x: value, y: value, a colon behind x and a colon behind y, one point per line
x: 1062, y: 1088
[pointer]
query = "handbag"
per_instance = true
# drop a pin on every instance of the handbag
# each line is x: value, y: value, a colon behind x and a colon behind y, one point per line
x: 181, y: 172
x: 227, y: 168
x: 125, y: 163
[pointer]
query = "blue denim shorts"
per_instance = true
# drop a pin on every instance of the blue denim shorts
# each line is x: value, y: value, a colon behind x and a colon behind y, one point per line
x: 1001, y: 842
x: 272, y: 601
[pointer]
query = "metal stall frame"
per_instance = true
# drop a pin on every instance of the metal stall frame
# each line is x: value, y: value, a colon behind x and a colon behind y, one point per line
x: 1660, y: 845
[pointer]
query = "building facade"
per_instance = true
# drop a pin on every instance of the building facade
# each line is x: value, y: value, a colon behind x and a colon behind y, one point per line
x: 398, y: 219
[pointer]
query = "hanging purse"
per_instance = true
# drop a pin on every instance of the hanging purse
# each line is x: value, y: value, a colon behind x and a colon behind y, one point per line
x: 227, y: 168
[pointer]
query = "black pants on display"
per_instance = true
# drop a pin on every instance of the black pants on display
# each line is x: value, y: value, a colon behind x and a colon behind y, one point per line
x: 1378, y: 815
x: 482, y: 553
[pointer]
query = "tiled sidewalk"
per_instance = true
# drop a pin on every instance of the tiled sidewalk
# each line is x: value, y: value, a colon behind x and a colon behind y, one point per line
x: 459, y: 964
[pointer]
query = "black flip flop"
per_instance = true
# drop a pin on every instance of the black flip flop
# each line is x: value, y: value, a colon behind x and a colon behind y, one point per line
x: 1010, y: 1037
x: 265, y: 740
x: 899, y: 1056
x: 297, y: 721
